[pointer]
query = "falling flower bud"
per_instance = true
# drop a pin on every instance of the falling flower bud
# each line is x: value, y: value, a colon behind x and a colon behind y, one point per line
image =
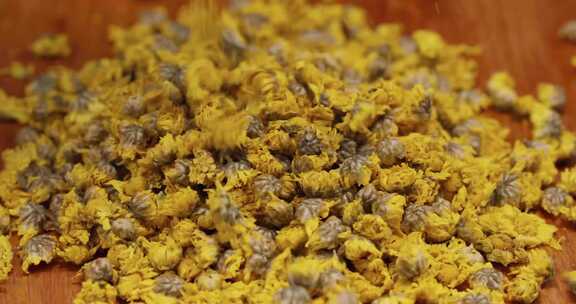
x: 551, y: 95
x: 568, y: 31
x: 570, y: 278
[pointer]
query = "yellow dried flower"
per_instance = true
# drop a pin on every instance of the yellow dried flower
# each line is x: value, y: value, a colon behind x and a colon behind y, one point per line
x: 5, y: 257
x: 18, y: 70
x: 282, y: 151
x: 570, y: 278
x: 51, y: 45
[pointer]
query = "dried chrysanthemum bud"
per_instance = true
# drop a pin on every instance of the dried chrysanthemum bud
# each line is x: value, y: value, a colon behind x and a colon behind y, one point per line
x: 209, y: 280
x: 267, y: 184
x: 348, y: 148
x: 552, y: 95
x: 472, y: 97
x: 330, y: 278
x: 232, y: 44
x: 123, y: 153
x: 51, y: 46
x: 43, y: 84
x: 472, y: 255
x: 455, y: 150
x: 300, y: 274
x: 380, y: 205
x: 227, y: 210
x: 408, y: 45
x: 366, y: 150
x: 134, y: 106
x: 132, y: 135
x: 263, y: 248
x: 568, y: 31
x: 415, y: 217
x: 385, y: 126
x: 173, y: 74
x: 124, y: 228
x: 232, y: 168
x: 99, y: 269
x: 95, y: 133
x: 378, y: 68
x: 552, y: 127
x: 570, y: 278
x: 390, y: 151
x: 142, y: 204
x: 411, y: 266
x: 31, y: 173
x: 162, y: 42
x: 35, y: 216
x: 108, y: 169
x: 4, y: 221
x: 169, y: 284
x: 424, y: 109
x: 83, y: 101
x: 292, y: 295
x: 368, y: 195
x: 346, y: 297
x: 475, y: 298
x: 326, y: 236
x: 278, y: 213
x: 353, y: 165
x: 466, y: 127
x: 26, y: 135
x: 40, y: 248
x: 152, y: 17
x: 255, y: 127
x: 501, y: 88
x: 553, y: 199
x: 309, y: 143
x: 223, y: 261
x: 164, y: 255
x: 308, y: 209
x: 178, y: 173
x: 487, y: 278
x: 507, y: 190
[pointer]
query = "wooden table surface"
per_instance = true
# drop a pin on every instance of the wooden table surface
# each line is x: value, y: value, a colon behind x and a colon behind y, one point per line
x: 516, y: 35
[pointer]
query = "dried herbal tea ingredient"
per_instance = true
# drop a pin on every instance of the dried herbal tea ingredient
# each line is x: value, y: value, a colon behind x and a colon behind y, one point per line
x: 284, y: 152
x: 51, y: 46
x: 570, y: 278
x: 5, y: 257
x: 568, y: 31
x: 18, y: 70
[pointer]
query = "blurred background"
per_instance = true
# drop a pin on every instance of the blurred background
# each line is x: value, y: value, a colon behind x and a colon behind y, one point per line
x: 519, y: 36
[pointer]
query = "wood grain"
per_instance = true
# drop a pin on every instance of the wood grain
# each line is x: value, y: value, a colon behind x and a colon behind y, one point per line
x: 516, y: 35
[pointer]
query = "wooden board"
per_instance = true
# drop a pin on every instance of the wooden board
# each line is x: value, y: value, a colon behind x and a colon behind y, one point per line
x: 516, y: 35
